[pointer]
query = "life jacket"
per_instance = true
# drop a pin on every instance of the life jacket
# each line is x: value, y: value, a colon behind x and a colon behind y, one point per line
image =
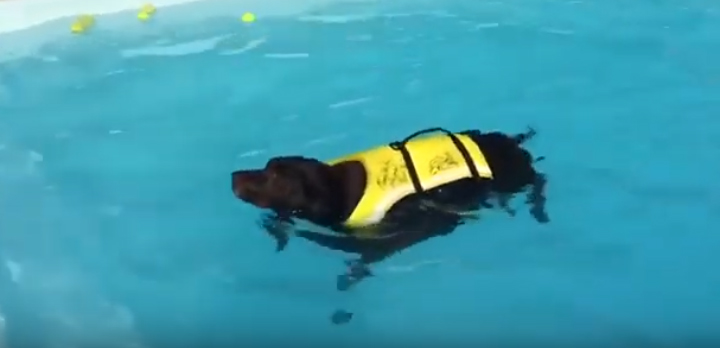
x: 413, y: 165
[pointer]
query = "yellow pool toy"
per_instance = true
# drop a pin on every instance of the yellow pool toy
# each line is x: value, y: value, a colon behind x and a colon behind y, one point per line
x: 82, y: 24
x: 248, y: 17
x: 147, y: 11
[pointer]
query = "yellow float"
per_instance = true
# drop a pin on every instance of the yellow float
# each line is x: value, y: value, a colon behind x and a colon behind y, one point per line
x: 248, y: 17
x: 147, y: 11
x: 82, y: 24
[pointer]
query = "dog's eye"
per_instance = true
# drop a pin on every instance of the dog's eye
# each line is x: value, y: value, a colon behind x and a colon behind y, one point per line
x: 277, y: 170
x: 270, y: 176
x: 273, y: 164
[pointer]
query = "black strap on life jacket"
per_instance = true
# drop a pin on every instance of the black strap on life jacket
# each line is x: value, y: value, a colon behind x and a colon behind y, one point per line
x: 402, y: 147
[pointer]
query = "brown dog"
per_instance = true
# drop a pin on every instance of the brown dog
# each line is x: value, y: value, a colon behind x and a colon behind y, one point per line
x: 328, y: 194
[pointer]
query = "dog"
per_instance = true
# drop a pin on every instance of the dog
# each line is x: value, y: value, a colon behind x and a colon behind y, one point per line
x: 325, y: 194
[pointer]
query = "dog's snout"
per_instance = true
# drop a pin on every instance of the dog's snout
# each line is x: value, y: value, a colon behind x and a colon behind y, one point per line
x: 235, y: 176
x: 245, y: 183
x: 237, y: 183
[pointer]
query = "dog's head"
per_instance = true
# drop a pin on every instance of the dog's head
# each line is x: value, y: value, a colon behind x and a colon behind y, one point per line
x: 295, y: 185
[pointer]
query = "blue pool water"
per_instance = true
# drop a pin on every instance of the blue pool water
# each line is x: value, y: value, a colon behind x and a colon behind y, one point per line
x: 118, y: 227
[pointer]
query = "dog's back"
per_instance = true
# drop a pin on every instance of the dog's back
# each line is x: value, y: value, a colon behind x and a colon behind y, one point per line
x: 513, y: 173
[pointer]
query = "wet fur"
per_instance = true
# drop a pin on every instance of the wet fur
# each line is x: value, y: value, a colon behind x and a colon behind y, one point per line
x: 305, y: 188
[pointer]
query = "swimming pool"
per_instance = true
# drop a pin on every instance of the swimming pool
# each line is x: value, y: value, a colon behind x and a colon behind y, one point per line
x: 118, y: 227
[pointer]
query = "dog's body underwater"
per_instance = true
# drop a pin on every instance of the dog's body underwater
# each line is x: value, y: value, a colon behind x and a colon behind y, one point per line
x: 386, y: 199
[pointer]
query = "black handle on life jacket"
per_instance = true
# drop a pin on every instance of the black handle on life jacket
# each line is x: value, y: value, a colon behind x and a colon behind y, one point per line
x: 402, y: 147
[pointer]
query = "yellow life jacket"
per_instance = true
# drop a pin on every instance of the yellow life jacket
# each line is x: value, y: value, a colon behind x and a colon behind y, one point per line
x: 436, y: 160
